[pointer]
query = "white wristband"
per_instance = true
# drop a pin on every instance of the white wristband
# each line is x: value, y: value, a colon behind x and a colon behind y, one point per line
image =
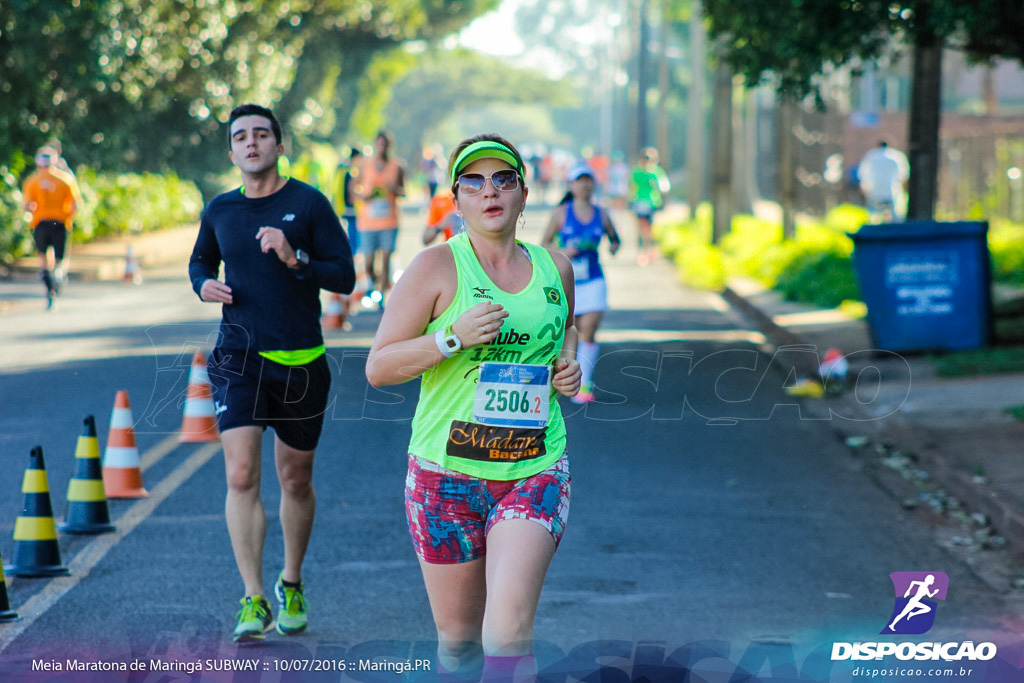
x: 439, y: 340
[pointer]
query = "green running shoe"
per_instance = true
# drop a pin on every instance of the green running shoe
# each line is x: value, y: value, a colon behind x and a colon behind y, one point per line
x: 291, y: 613
x: 254, y: 619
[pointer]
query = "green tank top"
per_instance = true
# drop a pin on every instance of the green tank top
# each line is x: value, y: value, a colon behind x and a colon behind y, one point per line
x: 489, y: 411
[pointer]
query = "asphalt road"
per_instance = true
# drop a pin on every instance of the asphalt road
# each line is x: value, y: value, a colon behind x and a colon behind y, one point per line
x: 716, y: 523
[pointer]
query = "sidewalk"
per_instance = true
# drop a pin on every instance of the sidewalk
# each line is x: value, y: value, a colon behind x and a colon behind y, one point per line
x: 950, y: 439
x: 104, y: 259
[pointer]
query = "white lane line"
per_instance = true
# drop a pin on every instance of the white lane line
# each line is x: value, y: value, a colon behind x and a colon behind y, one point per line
x: 98, y: 548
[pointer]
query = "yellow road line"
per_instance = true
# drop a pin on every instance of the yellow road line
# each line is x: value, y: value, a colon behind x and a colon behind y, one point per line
x: 154, y: 454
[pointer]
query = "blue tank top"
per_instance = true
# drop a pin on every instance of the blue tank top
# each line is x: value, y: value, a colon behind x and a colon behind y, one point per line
x: 585, y: 237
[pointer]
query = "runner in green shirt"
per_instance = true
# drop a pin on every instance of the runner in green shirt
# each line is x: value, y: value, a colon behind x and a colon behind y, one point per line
x: 486, y: 321
x: 648, y: 185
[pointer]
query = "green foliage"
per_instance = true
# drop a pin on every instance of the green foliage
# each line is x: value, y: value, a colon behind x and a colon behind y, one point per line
x: 375, y: 90
x: 1006, y: 247
x: 825, y: 279
x: 979, y: 362
x: 1017, y: 412
x: 794, y: 40
x: 816, y: 267
x: 447, y: 81
x: 113, y: 204
x: 14, y: 242
x: 145, y: 85
x: 121, y: 203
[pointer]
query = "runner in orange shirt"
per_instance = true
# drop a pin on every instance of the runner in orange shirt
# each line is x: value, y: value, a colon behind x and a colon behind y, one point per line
x: 52, y: 196
x: 442, y: 217
x: 380, y: 183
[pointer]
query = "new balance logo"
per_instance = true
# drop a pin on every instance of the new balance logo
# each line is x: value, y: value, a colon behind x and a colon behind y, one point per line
x: 288, y: 217
x: 219, y: 407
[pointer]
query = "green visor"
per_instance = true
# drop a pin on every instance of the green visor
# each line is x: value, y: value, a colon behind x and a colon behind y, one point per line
x: 486, y: 149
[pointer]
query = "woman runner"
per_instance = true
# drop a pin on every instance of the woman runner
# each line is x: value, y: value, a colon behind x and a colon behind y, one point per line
x: 578, y: 226
x: 486, y: 321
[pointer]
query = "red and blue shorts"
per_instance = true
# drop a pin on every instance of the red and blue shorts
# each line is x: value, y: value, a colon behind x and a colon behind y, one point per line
x: 450, y: 513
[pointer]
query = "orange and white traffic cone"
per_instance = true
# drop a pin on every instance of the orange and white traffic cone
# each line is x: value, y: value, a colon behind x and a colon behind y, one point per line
x: 200, y: 421
x: 122, y: 475
x: 336, y: 313
x: 36, y: 552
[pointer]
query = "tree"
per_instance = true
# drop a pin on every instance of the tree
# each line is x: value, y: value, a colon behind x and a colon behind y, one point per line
x: 146, y: 84
x: 445, y: 82
x: 790, y: 42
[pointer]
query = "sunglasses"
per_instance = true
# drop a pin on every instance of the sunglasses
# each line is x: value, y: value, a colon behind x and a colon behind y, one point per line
x: 503, y: 181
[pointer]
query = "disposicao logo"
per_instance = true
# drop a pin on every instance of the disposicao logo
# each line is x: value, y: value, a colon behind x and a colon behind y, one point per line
x: 913, y: 613
x: 916, y: 594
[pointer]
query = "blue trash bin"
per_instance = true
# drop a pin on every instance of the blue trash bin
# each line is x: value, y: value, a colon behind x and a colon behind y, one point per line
x: 927, y: 285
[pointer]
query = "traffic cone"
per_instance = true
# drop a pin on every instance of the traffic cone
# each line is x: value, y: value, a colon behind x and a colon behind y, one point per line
x: 122, y: 477
x: 6, y: 613
x: 834, y: 366
x: 36, y: 552
x: 335, y: 313
x: 87, y: 511
x: 200, y: 421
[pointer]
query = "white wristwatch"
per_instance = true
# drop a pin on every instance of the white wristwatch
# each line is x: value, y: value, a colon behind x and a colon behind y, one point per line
x: 448, y: 343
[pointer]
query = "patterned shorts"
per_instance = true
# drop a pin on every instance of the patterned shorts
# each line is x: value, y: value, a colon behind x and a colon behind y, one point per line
x: 450, y: 513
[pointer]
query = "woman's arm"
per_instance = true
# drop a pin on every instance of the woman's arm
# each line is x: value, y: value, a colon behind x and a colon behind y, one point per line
x: 402, y: 350
x: 554, y: 227
x: 609, y: 229
x: 566, y: 379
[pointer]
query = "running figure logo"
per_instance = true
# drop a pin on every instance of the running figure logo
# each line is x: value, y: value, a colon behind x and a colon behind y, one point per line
x: 914, y: 610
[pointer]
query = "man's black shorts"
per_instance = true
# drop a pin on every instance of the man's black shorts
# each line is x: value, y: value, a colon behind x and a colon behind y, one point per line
x: 250, y: 390
x: 51, y: 234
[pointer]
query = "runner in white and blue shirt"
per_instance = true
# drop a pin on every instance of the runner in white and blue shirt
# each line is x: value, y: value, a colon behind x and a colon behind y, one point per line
x: 577, y: 227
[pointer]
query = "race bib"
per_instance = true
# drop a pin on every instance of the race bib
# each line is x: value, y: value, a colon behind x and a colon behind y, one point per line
x: 512, y: 395
x: 378, y: 208
x: 580, y: 268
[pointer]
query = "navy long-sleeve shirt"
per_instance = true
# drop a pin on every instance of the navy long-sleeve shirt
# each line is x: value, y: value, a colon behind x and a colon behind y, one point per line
x: 275, y: 308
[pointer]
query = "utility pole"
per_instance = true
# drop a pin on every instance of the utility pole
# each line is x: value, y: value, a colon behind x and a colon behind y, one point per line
x: 641, y: 81
x: 721, y: 153
x: 695, y: 130
x: 664, y: 147
x: 924, y: 127
x: 786, y: 114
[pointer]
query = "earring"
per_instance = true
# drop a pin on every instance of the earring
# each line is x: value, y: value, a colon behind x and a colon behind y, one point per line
x: 522, y: 220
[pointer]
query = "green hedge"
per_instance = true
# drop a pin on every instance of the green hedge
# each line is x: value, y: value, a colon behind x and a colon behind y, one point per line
x: 815, y: 267
x: 121, y: 203
x: 113, y: 204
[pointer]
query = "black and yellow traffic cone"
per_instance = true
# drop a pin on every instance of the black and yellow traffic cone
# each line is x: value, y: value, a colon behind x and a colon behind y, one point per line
x: 36, y: 552
x: 87, y: 511
x: 6, y: 613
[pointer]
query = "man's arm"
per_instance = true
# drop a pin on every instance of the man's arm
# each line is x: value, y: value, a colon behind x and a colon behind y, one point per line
x: 204, y: 264
x: 330, y: 255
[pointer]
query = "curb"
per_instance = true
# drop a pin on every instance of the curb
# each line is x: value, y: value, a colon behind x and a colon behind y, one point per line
x: 778, y: 335
x: 104, y: 259
x: 1001, y: 513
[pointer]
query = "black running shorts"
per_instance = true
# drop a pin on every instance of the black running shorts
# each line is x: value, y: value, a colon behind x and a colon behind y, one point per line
x: 51, y: 234
x: 250, y: 390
